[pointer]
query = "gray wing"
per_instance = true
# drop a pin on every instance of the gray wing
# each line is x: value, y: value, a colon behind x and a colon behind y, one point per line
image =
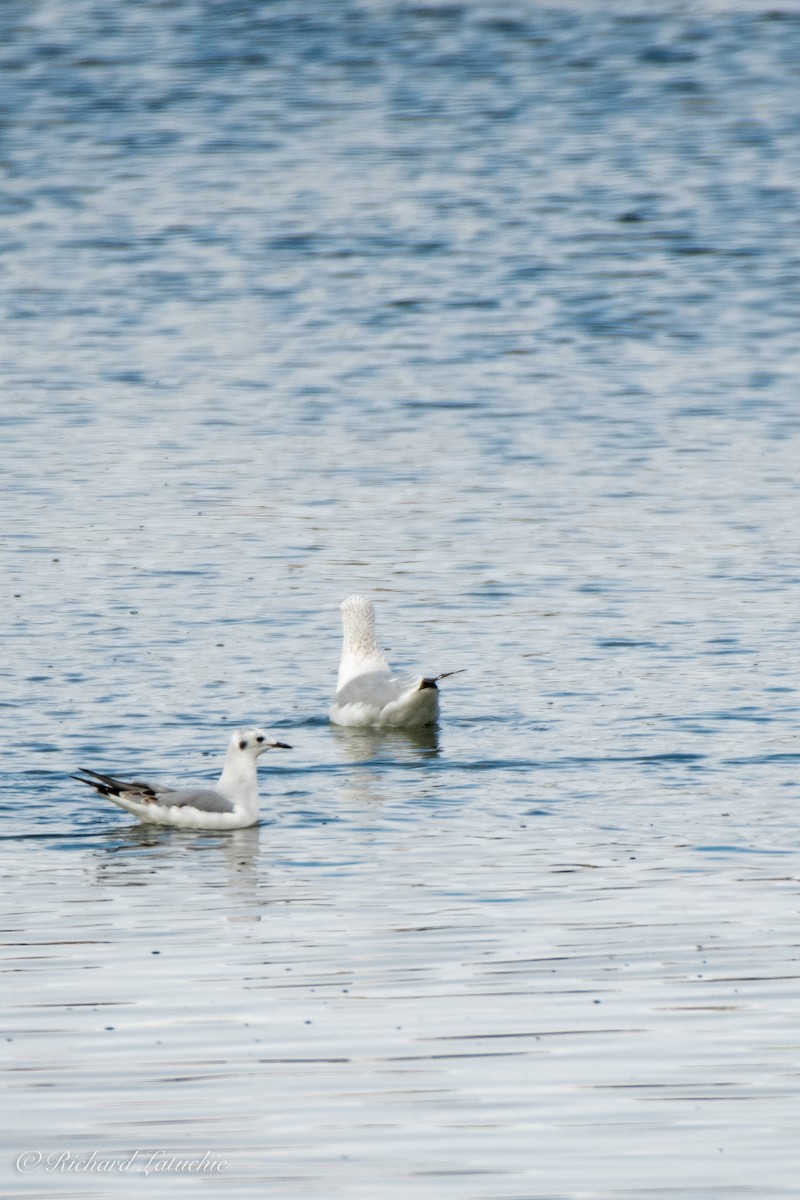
x: 204, y: 799
x: 109, y: 785
x: 373, y: 687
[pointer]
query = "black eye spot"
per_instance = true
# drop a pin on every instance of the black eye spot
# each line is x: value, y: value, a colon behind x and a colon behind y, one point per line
x: 259, y: 739
x: 242, y: 745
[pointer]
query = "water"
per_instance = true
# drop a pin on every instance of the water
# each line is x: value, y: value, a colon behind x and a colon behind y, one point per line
x: 488, y: 311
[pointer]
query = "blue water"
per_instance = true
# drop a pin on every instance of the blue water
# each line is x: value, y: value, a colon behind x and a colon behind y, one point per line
x: 488, y: 311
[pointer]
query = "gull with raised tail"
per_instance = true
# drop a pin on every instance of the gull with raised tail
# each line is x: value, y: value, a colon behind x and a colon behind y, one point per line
x: 231, y: 804
x: 367, y: 692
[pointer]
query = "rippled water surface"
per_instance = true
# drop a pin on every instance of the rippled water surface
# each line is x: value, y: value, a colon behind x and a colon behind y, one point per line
x: 489, y: 311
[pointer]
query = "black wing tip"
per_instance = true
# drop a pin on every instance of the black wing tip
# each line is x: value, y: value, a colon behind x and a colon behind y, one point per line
x: 431, y: 681
x: 99, y: 785
x: 106, y: 785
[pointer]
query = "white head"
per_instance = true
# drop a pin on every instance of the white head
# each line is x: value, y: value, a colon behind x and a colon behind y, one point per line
x: 359, y: 607
x: 358, y: 621
x: 253, y: 742
x: 360, y: 650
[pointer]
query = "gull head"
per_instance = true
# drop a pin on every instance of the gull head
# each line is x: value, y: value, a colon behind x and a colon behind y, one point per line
x: 254, y: 742
x: 360, y: 648
x: 357, y: 607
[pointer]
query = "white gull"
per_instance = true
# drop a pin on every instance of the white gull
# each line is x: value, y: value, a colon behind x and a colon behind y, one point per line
x: 231, y: 804
x: 367, y: 693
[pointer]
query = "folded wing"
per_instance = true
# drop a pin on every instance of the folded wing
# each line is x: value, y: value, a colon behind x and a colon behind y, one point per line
x: 203, y: 799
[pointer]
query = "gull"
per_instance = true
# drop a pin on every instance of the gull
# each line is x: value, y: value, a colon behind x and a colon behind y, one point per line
x: 367, y: 693
x: 231, y: 804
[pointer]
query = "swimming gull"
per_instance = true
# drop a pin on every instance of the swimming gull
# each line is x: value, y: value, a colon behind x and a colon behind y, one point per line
x: 367, y: 693
x: 231, y: 804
